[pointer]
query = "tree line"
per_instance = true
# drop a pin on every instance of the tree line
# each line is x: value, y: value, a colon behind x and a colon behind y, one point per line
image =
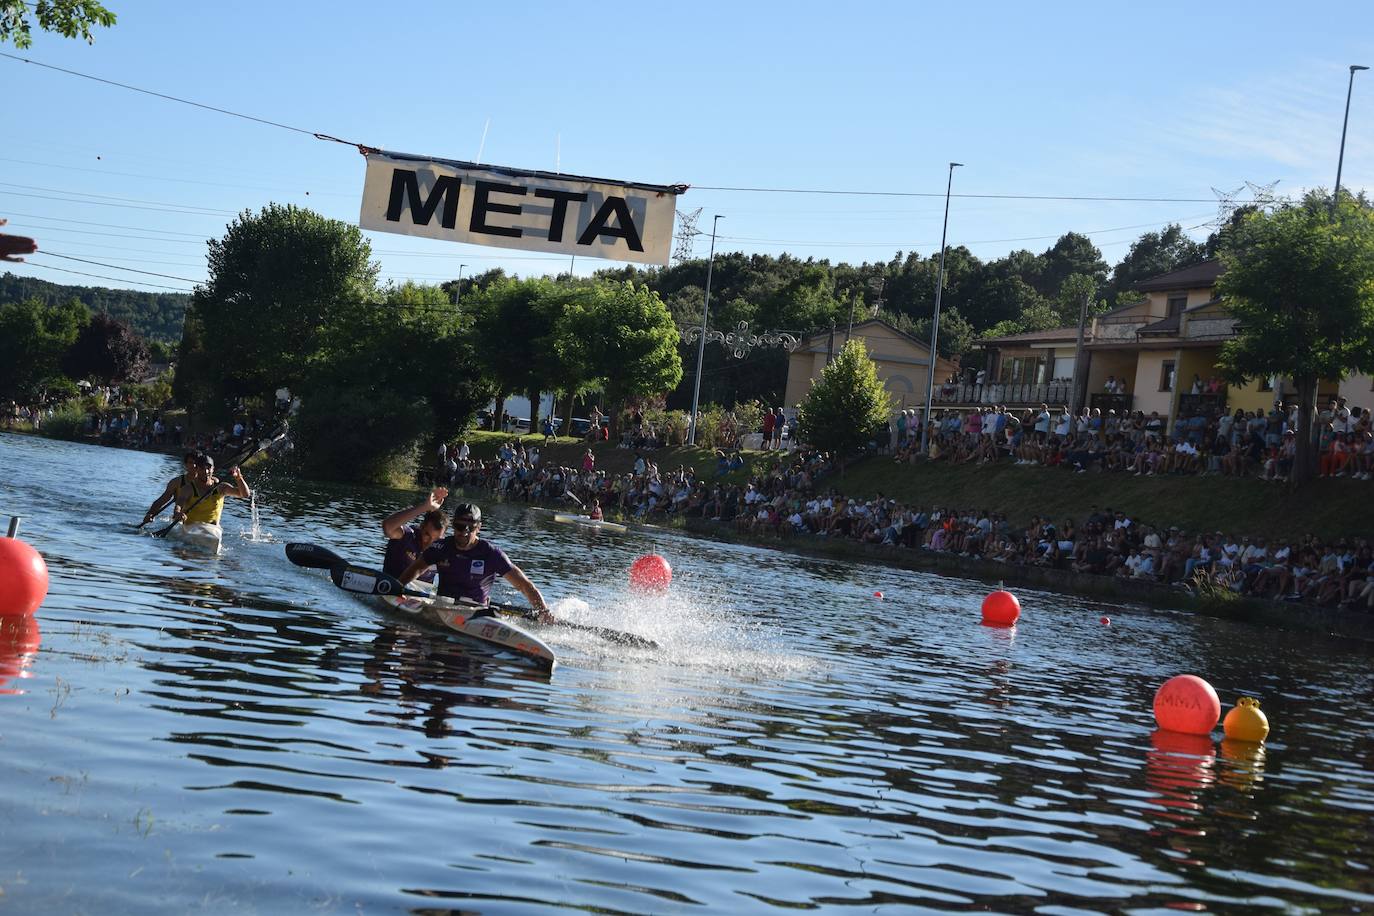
x: 46, y: 348
x: 157, y: 317
x: 292, y: 300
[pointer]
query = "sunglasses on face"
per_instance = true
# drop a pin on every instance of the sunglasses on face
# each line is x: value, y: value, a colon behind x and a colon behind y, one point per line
x: 466, y: 526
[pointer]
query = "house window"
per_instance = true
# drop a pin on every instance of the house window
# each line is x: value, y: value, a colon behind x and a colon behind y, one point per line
x: 1177, y: 304
x: 1166, y: 376
x: 1266, y: 383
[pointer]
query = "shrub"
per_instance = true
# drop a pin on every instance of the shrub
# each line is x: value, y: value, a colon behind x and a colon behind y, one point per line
x: 70, y: 421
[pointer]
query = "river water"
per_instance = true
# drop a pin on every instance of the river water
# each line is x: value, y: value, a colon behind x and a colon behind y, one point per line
x: 235, y: 735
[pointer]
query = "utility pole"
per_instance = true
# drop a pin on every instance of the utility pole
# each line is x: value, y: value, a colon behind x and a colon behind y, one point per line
x: 701, y: 344
x: 935, y: 323
x: 852, y: 301
x: 1340, y: 159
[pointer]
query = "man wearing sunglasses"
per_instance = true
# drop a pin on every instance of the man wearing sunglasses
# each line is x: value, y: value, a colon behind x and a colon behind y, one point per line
x: 468, y: 565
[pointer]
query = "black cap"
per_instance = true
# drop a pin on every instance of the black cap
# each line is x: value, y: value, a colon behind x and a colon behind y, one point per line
x: 467, y: 510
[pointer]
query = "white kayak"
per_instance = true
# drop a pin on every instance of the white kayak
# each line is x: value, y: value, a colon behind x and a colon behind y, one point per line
x: 202, y: 535
x: 474, y: 622
x: 591, y: 522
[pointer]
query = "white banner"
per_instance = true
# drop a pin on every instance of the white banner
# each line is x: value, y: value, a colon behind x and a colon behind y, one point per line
x: 514, y: 208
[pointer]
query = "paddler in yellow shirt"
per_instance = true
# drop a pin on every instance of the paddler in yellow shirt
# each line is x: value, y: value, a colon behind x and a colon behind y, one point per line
x: 200, y: 499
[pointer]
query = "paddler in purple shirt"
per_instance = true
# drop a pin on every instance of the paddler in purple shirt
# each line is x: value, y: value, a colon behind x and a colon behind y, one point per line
x: 406, y: 542
x: 468, y: 565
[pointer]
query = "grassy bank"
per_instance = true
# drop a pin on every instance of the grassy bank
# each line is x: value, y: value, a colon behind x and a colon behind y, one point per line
x: 1233, y: 505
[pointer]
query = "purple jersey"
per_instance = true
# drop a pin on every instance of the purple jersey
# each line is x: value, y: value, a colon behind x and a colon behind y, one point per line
x: 402, y: 551
x: 467, y: 574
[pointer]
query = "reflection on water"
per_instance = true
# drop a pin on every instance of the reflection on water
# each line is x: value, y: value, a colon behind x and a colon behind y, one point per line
x: 234, y: 734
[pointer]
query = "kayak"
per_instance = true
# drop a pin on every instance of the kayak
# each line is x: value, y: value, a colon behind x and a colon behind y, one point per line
x: 474, y: 622
x: 591, y: 522
x: 202, y: 535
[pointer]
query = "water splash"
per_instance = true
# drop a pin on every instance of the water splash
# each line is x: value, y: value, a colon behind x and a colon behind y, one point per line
x: 690, y: 632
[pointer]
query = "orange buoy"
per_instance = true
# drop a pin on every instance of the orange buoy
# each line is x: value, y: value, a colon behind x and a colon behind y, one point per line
x: 1187, y: 704
x: 651, y: 573
x: 1001, y: 609
x: 1245, y: 722
x: 23, y: 578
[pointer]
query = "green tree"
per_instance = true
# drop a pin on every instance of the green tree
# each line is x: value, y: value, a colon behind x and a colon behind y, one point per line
x: 69, y: 18
x: 1300, y: 283
x: 1152, y: 254
x: 515, y: 322
x: 33, y: 338
x: 621, y: 337
x: 275, y: 280
x: 846, y: 404
x: 108, y: 351
x: 394, y: 374
x: 1073, y: 254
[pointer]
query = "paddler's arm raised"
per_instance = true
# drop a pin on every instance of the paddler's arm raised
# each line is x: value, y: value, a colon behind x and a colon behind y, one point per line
x: 239, y: 487
x: 393, y: 526
x: 525, y: 587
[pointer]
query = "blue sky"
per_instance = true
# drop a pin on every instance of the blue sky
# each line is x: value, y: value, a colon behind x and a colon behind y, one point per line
x: 1066, y: 99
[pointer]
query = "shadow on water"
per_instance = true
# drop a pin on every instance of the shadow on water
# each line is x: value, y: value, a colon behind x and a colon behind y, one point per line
x: 234, y: 734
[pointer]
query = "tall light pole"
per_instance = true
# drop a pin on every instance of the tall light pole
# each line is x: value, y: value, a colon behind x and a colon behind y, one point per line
x: 458, y: 290
x: 1340, y: 160
x: 701, y: 344
x: 935, y: 323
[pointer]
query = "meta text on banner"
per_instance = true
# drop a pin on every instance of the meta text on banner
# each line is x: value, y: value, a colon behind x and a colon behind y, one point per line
x: 514, y: 208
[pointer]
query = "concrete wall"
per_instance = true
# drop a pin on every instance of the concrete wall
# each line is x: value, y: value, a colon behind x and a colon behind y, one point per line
x: 1145, y: 388
x: 1116, y: 363
x: 1358, y: 391
x: 901, y: 365
x: 1248, y: 397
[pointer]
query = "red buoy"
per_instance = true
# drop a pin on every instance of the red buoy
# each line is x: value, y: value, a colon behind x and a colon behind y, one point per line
x: 23, y: 578
x: 1105, y: 621
x: 878, y: 595
x: 1001, y: 609
x: 19, y: 638
x: 1187, y: 704
x: 651, y: 573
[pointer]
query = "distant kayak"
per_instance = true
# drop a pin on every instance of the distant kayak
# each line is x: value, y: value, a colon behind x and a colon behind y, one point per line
x: 591, y: 522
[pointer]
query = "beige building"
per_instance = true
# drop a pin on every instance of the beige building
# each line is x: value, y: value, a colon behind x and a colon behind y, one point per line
x: 1165, y: 346
x: 903, y: 362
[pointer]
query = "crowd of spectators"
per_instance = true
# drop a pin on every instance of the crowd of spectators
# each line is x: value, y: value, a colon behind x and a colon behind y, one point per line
x: 790, y: 499
x: 1251, y: 443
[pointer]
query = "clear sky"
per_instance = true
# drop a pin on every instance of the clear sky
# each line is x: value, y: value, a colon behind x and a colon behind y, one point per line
x: 1063, y: 99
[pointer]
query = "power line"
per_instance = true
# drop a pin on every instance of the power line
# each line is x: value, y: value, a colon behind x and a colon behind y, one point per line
x: 213, y: 184
x: 729, y: 189
x: 208, y: 211
x: 102, y: 203
x: 53, y: 254
x: 1080, y: 197
x: 173, y: 98
x: 81, y: 273
x: 199, y: 236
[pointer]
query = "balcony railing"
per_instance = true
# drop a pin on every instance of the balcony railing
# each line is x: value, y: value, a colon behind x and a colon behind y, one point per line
x: 1012, y: 394
x: 1121, y: 403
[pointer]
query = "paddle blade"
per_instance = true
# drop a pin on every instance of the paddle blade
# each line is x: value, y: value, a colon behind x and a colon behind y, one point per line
x: 313, y: 556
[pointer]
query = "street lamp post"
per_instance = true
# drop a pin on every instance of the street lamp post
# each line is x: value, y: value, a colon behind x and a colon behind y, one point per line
x: 1340, y: 159
x: 701, y: 344
x: 935, y: 322
x: 458, y: 290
